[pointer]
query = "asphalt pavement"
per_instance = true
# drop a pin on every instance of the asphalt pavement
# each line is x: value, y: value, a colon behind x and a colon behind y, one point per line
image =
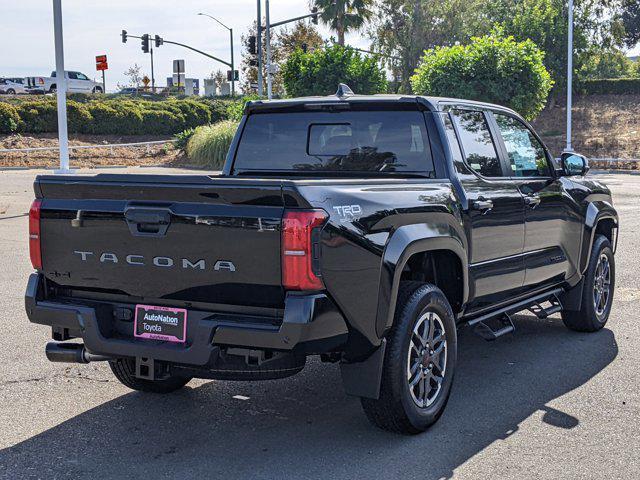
x: 544, y: 403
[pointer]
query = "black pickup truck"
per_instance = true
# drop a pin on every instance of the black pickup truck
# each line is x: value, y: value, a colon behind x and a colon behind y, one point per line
x: 362, y: 229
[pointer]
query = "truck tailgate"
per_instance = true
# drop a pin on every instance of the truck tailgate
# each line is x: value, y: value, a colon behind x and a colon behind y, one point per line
x: 164, y: 238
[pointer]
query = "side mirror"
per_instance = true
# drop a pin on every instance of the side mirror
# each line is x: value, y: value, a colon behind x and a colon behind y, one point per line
x: 573, y: 164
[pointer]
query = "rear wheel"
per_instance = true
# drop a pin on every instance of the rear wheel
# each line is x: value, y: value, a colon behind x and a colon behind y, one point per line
x: 97, y: 90
x: 11, y: 91
x: 125, y: 368
x: 419, y: 362
x: 597, y: 290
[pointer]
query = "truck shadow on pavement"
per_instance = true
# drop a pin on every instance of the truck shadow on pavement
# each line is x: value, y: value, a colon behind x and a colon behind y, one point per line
x: 306, y: 427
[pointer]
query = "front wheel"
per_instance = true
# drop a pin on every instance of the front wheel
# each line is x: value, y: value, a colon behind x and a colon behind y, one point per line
x: 597, y: 290
x: 11, y: 91
x: 419, y: 364
x: 97, y: 90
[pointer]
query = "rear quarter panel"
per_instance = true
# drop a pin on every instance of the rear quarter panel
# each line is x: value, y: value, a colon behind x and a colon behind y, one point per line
x: 363, y: 219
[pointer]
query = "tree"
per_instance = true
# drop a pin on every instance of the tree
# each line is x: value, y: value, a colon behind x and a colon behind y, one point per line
x: 283, y: 43
x: 630, y: 17
x: 404, y: 29
x: 218, y: 78
x: 491, y: 69
x: 343, y: 16
x: 607, y: 64
x: 320, y: 72
x: 135, y: 75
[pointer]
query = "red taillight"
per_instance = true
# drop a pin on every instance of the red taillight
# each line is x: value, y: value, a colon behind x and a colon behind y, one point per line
x: 34, y: 234
x: 301, y: 249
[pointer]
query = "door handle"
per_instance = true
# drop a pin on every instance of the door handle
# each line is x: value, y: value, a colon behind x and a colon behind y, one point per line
x: 483, y: 205
x: 532, y: 200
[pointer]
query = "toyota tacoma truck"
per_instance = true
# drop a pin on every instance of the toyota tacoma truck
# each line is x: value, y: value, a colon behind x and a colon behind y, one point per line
x: 365, y: 230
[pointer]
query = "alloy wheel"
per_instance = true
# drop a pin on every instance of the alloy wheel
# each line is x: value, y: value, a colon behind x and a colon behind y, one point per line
x: 427, y: 359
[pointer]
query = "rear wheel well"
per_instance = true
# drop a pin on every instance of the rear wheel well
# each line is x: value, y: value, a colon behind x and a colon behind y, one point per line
x: 606, y: 227
x: 441, y: 268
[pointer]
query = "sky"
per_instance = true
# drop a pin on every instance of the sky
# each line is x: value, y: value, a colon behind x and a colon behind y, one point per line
x: 93, y: 28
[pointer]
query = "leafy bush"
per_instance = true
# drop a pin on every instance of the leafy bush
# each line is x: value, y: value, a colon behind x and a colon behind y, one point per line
x: 117, y: 115
x: 78, y: 117
x: 490, y: 69
x: 9, y: 118
x: 182, y: 139
x: 615, y: 86
x: 319, y: 72
x: 209, y: 144
x: 39, y: 116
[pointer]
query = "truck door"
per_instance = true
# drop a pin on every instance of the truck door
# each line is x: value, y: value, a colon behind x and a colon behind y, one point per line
x: 494, y: 220
x: 551, y: 226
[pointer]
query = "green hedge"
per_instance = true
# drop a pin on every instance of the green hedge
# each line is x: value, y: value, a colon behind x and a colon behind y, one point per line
x: 9, y: 118
x: 113, y: 115
x: 615, y: 86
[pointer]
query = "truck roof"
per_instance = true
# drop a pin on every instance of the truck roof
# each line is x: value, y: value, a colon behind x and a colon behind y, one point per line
x: 424, y: 102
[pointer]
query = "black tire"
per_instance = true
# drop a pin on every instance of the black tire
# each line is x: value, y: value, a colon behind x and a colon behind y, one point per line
x: 590, y: 318
x: 125, y: 368
x: 11, y: 91
x: 96, y: 90
x: 396, y: 410
x: 53, y: 89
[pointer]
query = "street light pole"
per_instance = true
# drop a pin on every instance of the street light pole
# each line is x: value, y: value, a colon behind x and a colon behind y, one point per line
x: 259, y: 41
x: 233, y: 69
x: 569, y: 147
x: 269, y: 76
x: 61, y: 89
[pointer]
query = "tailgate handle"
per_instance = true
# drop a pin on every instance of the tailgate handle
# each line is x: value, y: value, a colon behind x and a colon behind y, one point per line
x: 148, y: 222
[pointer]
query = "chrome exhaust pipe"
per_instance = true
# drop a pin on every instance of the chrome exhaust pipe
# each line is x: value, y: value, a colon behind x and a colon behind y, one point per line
x: 71, y: 353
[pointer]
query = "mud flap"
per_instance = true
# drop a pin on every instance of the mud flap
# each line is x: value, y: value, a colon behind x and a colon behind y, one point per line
x: 362, y: 379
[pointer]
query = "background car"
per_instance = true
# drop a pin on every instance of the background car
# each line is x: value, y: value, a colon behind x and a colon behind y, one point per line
x: 12, y: 86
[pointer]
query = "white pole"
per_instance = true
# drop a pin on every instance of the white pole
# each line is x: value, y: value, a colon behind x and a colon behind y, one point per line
x: 259, y: 41
x: 569, y: 76
x: 61, y: 86
x: 268, y: 33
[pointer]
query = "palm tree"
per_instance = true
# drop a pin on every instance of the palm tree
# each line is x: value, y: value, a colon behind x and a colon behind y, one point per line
x: 343, y: 16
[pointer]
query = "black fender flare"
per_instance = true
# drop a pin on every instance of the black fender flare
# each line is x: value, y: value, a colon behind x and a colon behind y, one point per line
x: 405, y: 242
x: 596, y: 212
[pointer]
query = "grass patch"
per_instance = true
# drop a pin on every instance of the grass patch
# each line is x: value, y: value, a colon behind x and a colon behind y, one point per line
x: 209, y: 144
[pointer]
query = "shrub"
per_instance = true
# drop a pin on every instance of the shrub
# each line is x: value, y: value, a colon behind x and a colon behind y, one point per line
x: 39, y: 116
x: 319, y: 72
x: 490, y: 69
x: 9, y: 118
x: 209, y: 144
x: 182, y: 139
x: 615, y: 86
x: 78, y: 117
x: 161, y: 122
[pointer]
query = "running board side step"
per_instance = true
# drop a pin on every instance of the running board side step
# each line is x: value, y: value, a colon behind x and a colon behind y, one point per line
x: 498, y: 323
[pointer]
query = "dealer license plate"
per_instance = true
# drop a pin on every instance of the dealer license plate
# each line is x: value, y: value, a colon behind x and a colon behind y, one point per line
x: 160, y: 323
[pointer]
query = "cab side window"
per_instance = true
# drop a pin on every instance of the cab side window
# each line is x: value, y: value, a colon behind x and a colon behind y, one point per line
x: 527, y: 157
x: 475, y: 137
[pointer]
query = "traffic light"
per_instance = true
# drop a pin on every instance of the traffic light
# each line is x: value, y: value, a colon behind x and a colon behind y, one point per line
x: 124, y: 36
x: 233, y: 76
x: 159, y: 41
x: 253, y: 49
x: 314, y: 12
x: 145, y: 43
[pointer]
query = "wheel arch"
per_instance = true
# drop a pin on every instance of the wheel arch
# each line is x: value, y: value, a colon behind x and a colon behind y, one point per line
x: 601, y: 219
x: 410, y: 247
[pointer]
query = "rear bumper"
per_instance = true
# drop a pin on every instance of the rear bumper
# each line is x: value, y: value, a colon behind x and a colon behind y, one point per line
x: 311, y: 324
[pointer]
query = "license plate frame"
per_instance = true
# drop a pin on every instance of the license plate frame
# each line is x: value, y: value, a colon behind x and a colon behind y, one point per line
x: 167, y: 324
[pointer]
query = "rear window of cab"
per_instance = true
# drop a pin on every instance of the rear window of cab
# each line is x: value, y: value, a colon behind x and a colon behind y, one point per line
x: 348, y: 141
